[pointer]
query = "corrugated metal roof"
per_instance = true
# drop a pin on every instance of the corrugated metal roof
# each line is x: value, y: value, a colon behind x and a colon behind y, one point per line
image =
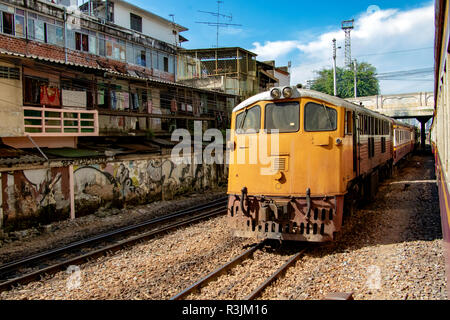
x: 111, y: 70
x: 11, y: 156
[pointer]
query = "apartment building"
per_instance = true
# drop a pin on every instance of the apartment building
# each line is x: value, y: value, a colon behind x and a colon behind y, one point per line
x: 71, y: 70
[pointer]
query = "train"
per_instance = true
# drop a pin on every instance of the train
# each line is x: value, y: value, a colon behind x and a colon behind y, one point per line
x: 440, y: 129
x: 301, y: 160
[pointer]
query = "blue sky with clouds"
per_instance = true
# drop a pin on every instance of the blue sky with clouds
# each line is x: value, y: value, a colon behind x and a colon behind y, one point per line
x: 392, y: 35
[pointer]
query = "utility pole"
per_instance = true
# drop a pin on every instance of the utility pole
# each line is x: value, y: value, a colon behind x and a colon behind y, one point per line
x: 355, y: 80
x: 218, y: 24
x: 334, y: 68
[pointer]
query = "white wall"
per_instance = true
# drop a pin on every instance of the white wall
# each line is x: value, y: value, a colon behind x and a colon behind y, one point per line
x: 283, y: 79
x: 151, y: 26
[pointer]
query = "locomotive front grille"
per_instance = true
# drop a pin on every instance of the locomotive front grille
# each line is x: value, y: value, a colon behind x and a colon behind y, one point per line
x: 279, y: 164
x: 287, y: 218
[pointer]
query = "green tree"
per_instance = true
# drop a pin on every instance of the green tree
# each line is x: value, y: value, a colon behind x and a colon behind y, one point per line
x: 367, y: 83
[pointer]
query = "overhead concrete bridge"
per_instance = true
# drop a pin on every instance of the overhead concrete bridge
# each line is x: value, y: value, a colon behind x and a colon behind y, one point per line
x: 419, y: 105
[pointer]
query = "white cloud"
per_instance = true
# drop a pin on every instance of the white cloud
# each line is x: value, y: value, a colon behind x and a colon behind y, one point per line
x: 376, y: 33
x: 271, y: 50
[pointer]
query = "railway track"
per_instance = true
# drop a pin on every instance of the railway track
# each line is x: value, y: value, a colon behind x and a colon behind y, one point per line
x: 31, y: 268
x: 248, y: 254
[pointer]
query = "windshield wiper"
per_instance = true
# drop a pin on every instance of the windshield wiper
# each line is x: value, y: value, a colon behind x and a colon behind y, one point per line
x: 243, y: 120
x: 328, y: 116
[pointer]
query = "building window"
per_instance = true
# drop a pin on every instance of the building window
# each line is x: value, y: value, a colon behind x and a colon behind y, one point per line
x: 32, y: 89
x: 136, y: 22
x: 9, y: 73
x: 45, y: 29
x: 8, y: 23
x: 81, y: 42
x: 20, y: 23
x: 166, y: 64
x: 141, y: 58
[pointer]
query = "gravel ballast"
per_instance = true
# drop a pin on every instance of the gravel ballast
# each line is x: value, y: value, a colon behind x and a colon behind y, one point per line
x: 391, y: 248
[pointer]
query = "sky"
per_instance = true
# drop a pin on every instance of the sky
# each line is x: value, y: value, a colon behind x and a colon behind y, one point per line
x: 392, y: 35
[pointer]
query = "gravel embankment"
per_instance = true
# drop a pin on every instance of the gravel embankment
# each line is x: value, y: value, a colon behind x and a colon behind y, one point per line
x: 20, y: 244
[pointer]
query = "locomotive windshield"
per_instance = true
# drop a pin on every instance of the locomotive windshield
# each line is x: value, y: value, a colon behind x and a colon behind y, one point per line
x: 250, y: 119
x: 318, y: 117
x: 283, y: 116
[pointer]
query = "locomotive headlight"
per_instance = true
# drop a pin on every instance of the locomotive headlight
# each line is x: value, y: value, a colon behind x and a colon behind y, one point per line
x: 275, y: 93
x: 287, y: 92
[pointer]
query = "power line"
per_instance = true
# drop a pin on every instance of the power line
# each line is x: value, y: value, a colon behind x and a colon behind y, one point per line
x: 394, y: 52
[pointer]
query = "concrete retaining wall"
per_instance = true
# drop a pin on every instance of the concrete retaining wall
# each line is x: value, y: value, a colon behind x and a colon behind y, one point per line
x: 29, y: 197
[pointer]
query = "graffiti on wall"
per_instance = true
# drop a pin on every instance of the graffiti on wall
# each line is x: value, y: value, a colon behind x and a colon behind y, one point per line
x: 26, y: 192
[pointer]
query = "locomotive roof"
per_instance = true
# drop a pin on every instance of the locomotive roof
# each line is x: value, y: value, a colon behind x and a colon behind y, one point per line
x: 304, y: 93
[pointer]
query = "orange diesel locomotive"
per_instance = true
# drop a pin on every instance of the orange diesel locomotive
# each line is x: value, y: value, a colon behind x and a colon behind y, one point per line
x: 327, y: 154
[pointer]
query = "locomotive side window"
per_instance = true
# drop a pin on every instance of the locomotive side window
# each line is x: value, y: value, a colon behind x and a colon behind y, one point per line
x: 250, y: 119
x: 284, y: 116
x: 319, y: 117
x: 348, y: 123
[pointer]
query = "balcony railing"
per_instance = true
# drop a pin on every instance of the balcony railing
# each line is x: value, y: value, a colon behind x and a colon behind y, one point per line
x: 51, y: 122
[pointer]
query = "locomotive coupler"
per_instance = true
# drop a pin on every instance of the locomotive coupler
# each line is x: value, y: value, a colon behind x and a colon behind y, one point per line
x: 244, y: 192
x: 308, y: 202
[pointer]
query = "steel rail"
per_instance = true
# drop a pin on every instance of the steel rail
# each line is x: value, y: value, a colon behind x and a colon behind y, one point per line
x: 277, y: 274
x: 24, y: 279
x: 8, y: 267
x: 216, y: 273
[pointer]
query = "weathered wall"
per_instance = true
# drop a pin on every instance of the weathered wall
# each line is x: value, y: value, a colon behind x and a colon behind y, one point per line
x: 11, y: 113
x: 29, y: 197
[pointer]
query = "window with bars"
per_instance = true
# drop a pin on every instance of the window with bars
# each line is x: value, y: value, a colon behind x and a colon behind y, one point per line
x: 9, y: 73
x: 135, y: 22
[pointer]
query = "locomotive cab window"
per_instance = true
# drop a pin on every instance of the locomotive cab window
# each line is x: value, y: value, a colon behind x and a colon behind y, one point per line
x: 319, y: 117
x: 283, y: 116
x: 250, y: 119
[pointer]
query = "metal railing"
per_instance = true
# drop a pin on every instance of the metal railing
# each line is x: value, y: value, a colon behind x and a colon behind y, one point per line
x: 50, y: 122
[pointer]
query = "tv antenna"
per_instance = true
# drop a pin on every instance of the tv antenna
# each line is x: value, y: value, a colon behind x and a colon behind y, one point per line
x: 218, y: 24
x: 174, y: 31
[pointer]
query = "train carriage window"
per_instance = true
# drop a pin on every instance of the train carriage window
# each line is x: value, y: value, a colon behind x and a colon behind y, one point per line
x: 318, y: 117
x: 250, y: 119
x: 284, y: 116
x: 348, y: 122
x: 366, y: 129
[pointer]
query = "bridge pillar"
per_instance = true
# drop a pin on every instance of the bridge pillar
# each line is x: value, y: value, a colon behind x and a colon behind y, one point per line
x: 423, y: 136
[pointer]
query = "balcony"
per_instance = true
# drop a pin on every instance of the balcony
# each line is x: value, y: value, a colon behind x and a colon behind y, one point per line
x: 50, y: 122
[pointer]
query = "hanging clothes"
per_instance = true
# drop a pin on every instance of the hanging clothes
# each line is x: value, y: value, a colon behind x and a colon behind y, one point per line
x: 173, y: 105
x: 50, y: 96
x: 101, y: 97
x: 126, y: 100
x: 120, y: 105
x: 135, y: 101
x: 113, y: 100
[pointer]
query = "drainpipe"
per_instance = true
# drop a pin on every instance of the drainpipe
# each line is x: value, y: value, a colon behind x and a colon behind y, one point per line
x: 65, y: 34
